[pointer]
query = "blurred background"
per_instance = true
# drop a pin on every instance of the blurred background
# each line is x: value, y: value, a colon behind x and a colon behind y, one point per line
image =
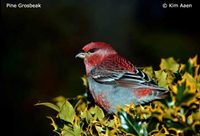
x: 38, y: 59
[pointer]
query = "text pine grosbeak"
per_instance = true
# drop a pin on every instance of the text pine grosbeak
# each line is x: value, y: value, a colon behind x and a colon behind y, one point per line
x: 114, y: 81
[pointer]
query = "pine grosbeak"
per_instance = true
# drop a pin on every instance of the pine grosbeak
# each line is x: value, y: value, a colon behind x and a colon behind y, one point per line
x: 114, y: 81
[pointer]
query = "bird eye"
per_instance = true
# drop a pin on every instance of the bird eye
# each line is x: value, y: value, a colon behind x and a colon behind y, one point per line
x: 92, y: 50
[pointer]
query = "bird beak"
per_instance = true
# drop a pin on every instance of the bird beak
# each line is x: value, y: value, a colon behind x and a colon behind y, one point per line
x: 81, y: 55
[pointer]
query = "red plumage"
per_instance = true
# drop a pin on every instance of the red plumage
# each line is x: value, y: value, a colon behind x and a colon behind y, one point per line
x: 93, y: 45
x: 113, y: 80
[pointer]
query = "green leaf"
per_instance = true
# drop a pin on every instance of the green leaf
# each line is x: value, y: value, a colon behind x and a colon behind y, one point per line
x: 130, y: 125
x: 183, y: 95
x: 162, y: 78
x: 190, y: 66
x: 60, y: 100
x: 67, y: 112
x: 67, y: 131
x: 169, y: 64
x: 50, y: 105
x: 185, y: 98
x: 149, y: 71
x: 86, y: 115
x: 77, y: 130
x: 180, y: 92
x: 99, y: 114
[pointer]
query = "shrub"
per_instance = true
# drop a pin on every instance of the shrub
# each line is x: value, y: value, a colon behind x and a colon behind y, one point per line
x: 177, y: 114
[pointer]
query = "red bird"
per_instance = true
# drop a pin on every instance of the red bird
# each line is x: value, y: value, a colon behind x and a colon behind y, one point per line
x: 113, y: 80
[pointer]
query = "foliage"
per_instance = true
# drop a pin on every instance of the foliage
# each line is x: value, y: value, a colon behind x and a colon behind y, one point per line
x: 177, y: 114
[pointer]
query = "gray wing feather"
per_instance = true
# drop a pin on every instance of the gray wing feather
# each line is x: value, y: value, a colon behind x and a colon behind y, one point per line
x: 136, y: 80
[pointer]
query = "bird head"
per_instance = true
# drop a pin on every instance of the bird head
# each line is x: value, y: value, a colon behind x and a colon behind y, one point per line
x: 94, y: 52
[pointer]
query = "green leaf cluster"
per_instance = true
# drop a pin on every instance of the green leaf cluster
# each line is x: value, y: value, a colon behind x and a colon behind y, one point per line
x: 177, y: 114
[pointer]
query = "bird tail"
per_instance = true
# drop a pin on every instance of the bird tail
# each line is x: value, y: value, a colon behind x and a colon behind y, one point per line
x: 161, y: 94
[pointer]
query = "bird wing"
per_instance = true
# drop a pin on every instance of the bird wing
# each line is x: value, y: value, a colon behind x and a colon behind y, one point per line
x: 123, y: 78
x: 110, y: 72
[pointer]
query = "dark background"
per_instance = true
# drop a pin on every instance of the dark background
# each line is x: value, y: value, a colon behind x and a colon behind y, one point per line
x: 38, y: 60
